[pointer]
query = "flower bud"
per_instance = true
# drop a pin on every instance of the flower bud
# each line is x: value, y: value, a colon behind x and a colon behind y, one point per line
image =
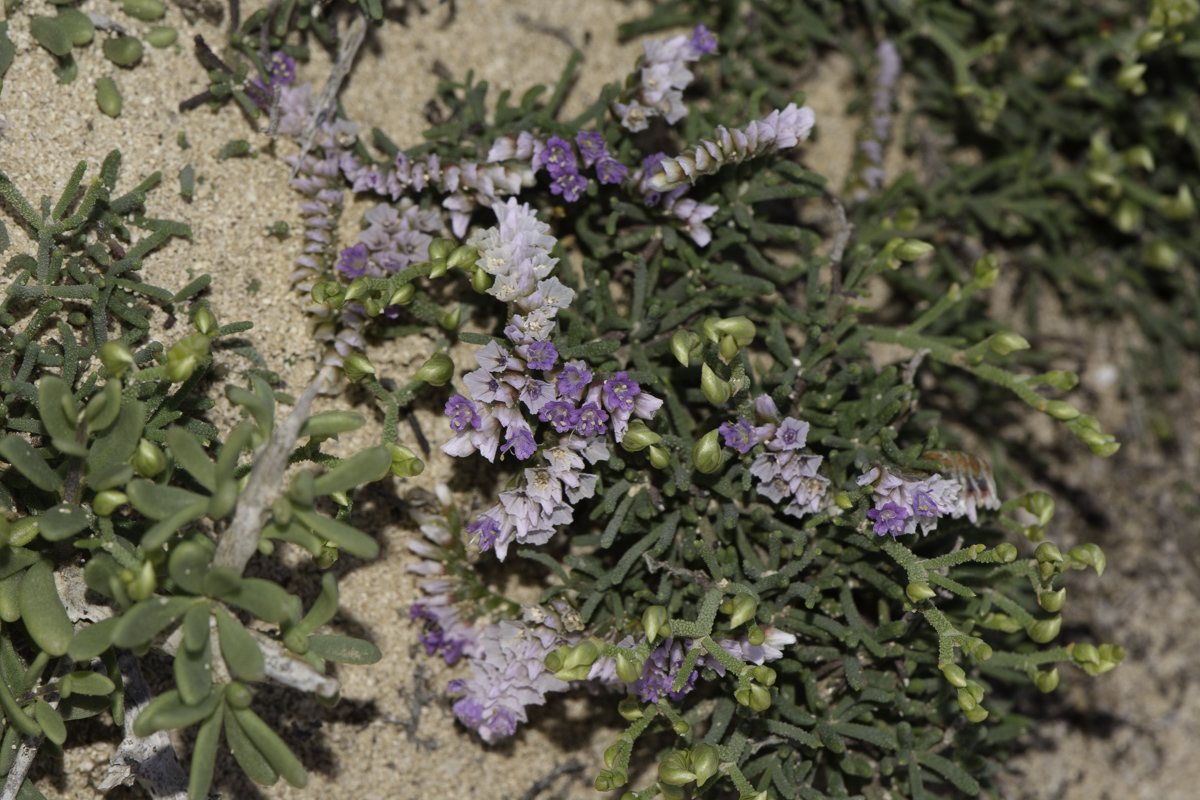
x: 654, y: 622
x: 1130, y: 75
x: 987, y: 269
x: 438, y: 268
x: 765, y: 675
x: 1060, y: 379
x: 673, y: 770
x: 403, y: 296
x: 436, y: 370
x: 710, y: 330
x: 1000, y: 622
x: 373, y: 307
x: 359, y: 287
x: 1177, y: 121
x: 979, y: 648
x: 1048, y: 552
x: 628, y: 669
x: 1160, y: 255
x: 955, y: 675
x: 463, y: 257
x: 603, y: 782
x: 185, y: 355
x: 583, y: 654
x: 706, y: 454
x: 148, y: 460
x: 1062, y: 411
x: 703, y: 761
x: 1046, y: 682
x: 659, y: 458
x: 744, y: 607
x: 1007, y: 342
x: 1084, y: 653
x: 760, y: 698
x: 639, y: 437
x: 630, y: 709
x: 742, y: 329
x: 1089, y: 555
x: 681, y: 345
x: 742, y: 696
x: 1005, y: 553
x: 481, y: 281
x: 912, y: 249
x: 681, y: 728
x: 976, y: 715
x: 966, y: 700
x: 727, y: 348
x: 918, y: 591
x: 357, y: 367
x: 1151, y: 39
x: 105, y: 503
x: 326, y: 558
x: 1127, y: 217
x: 715, y: 389
x: 756, y: 637
x: 440, y: 249
x: 1076, y: 80
x: 405, y: 463
x: 1044, y: 630
x: 610, y: 755
x: 554, y: 661
x: 450, y: 320
x: 569, y: 674
x: 1053, y: 601
x: 116, y: 357
x: 205, y: 321
x: 1181, y: 206
x: 1139, y: 156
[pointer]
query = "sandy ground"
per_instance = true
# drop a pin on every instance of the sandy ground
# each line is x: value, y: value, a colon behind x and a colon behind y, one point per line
x: 1130, y: 734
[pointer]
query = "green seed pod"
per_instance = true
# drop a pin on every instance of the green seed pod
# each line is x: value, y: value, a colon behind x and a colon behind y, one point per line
x: 760, y: 698
x: 639, y: 437
x: 205, y: 321
x: 710, y: 330
x: 77, y: 24
x: 603, y: 782
x: 148, y: 10
x: 105, y: 503
x: 966, y: 701
x: 654, y: 622
x: 403, y: 296
x: 1089, y: 555
x: 715, y: 389
x: 450, y: 319
x: 573, y: 673
x: 185, y: 355
x: 765, y: 675
x: 706, y: 454
x: 673, y: 770
x: 659, y: 459
x: 912, y: 249
x: 481, y: 281
x: 955, y: 675
x: 1084, y: 653
x: 359, y: 287
x: 405, y: 463
x: 436, y: 370
x: 357, y: 367
x: 462, y: 257
x: 977, y: 714
x: 1046, y: 681
x: 51, y: 34
x: 1053, y: 601
x: 918, y: 591
x: 728, y: 348
x: 681, y: 346
x: 1007, y: 342
x: 124, y: 51
x: 742, y: 329
x: 440, y: 249
x: 1005, y: 553
x: 630, y: 709
x: 438, y: 268
x: 628, y: 670
x: 148, y: 460
x: 554, y: 661
x: 1044, y: 630
x: 744, y: 608
x: 703, y: 761
x: 1048, y: 552
x: 583, y: 654
x: 1061, y: 410
x: 161, y: 36
x: 610, y: 755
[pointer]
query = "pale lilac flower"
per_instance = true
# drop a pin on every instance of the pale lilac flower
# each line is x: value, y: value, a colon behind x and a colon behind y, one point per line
x: 462, y: 413
x: 561, y: 414
x: 353, y: 261
x: 541, y: 355
x: 573, y: 380
x: 660, y: 671
x: 889, y: 518
x: 591, y: 147
x: 591, y: 420
x: 790, y: 435
x: 738, y: 435
x: 619, y: 392
x: 703, y: 41
x: 494, y: 358
x: 924, y: 499
x: 609, y: 170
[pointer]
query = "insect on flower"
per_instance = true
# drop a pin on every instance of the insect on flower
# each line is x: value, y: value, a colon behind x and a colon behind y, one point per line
x: 972, y: 473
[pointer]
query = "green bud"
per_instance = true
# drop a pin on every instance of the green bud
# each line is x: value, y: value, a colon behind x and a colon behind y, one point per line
x: 451, y: 319
x: 1053, y: 601
x: 438, y: 268
x: 912, y: 249
x: 703, y: 761
x: 403, y: 296
x: 358, y: 288
x: 987, y: 269
x: 681, y: 346
x: 673, y: 770
x: 1089, y: 555
x: 1077, y: 80
x: 326, y: 558
x: 1000, y: 622
x: 955, y: 675
x: 966, y: 700
x: 1060, y: 410
x: 1005, y: 553
x: 1084, y: 653
x: 569, y: 674
x: 436, y: 370
x: 1181, y: 206
x: 765, y: 675
x: 1160, y: 255
x: 710, y: 330
x: 373, y: 307
x: 603, y: 782
x: 742, y: 696
x: 610, y: 755
x: 1177, y: 121
x: 357, y: 367
x: 140, y: 585
x: 1127, y: 217
x: 659, y: 458
x: 148, y: 460
x: 481, y: 281
x: 918, y: 591
x: 630, y: 709
x: 1139, y: 156
x: 105, y: 503
x: 440, y: 249
x: 185, y: 355
x: 639, y: 437
x: 1046, y: 682
x: 583, y: 654
x: 1112, y: 652
x: 405, y: 463
x: 756, y: 637
x: 237, y: 695
x: 1039, y: 504
x: 205, y: 321
x: 727, y: 348
x: 1048, y: 552
x: 715, y: 389
x: 1060, y: 379
x: 744, y: 608
x: 463, y: 257
x: 1007, y: 342
x: 1130, y: 75
x: 742, y: 329
x: 976, y: 715
x: 706, y: 454
x: 116, y: 357
x: 554, y: 662
x: 1044, y: 630
x: 628, y: 670
x: 654, y: 622
x: 760, y: 698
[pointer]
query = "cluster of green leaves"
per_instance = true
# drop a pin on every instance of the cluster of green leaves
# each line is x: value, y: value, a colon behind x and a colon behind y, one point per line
x: 88, y: 401
x: 900, y: 641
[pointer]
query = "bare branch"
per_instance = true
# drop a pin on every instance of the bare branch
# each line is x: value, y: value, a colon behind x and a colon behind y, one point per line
x: 287, y: 668
x: 325, y: 104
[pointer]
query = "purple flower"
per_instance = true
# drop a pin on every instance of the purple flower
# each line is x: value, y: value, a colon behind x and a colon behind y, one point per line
x: 462, y: 412
x: 569, y: 185
x: 542, y: 355
x: 924, y: 505
x: 535, y: 394
x: 738, y: 435
x: 649, y: 163
x: 282, y: 69
x: 591, y: 147
x: 619, y: 392
x: 609, y: 170
x: 591, y: 420
x: 703, y: 40
x: 558, y: 157
x: 889, y: 518
x: 520, y: 441
x: 486, y: 529
x: 353, y: 261
x: 573, y: 381
x: 561, y: 414
x: 791, y: 435
x: 660, y: 671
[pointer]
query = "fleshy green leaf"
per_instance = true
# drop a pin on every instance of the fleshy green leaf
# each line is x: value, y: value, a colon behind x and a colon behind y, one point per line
x: 193, y: 672
x: 42, y: 610
x: 108, y: 457
x: 204, y: 755
x: 145, y: 620
x: 324, y: 608
x: 26, y: 461
x: 344, y: 649
x: 265, y: 600
x: 168, y: 711
x: 350, y: 539
x: 188, y: 564
x: 90, y: 683
x: 364, y: 467
x: 57, y: 408
x: 196, y: 627
x: 62, y: 521
x: 249, y: 757
x: 50, y: 721
x: 241, y: 652
x: 82, y: 706
x: 191, y: 456
x: 93, y: 640
x: 160, y: 502
x: 276, y: 752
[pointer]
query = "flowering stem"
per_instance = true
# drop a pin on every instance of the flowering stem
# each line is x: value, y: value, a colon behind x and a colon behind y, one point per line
x: 1027, y: 661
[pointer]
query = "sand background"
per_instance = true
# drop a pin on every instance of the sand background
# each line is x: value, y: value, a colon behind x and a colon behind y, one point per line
x: 1131, y: 734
